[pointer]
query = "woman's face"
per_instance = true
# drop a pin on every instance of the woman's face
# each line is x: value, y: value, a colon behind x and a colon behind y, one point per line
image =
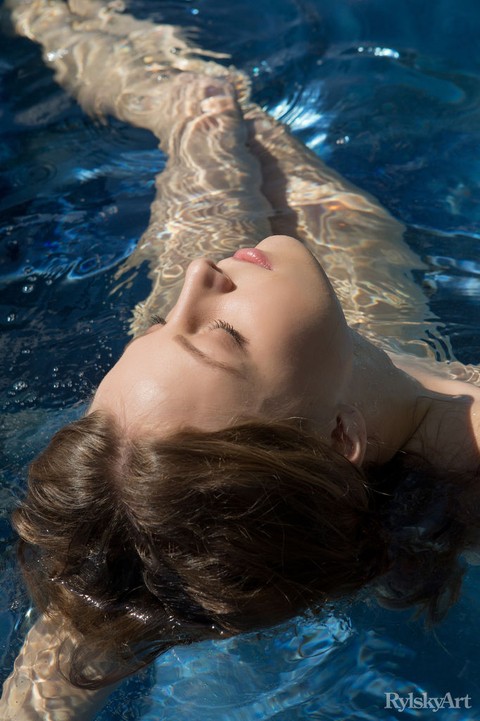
x: 251, y: 337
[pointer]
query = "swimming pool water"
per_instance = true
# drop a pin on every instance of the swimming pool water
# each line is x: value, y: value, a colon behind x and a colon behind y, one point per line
x: 388, y: 93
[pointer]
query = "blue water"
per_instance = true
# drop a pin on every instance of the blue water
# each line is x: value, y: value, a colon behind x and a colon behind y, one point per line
x: 388, y: 93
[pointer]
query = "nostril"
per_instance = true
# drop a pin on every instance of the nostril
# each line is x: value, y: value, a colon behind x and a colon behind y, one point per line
x: 228, y: 283
x: 215, y: 267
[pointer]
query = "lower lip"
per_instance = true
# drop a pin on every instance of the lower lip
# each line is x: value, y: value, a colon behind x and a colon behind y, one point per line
x: 253, y: 255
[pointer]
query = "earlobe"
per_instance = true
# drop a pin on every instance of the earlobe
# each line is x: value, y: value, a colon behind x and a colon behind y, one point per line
x: 349, y: 436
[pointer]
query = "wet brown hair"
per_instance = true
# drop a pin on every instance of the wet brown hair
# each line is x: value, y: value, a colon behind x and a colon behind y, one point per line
x: 142, y: 544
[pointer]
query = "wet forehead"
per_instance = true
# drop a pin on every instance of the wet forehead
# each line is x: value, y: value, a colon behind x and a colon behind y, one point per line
x: 173, y: 387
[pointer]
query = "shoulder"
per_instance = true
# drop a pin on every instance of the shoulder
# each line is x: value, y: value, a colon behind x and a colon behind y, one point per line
x: 451, y: 378
x: 458, y: 381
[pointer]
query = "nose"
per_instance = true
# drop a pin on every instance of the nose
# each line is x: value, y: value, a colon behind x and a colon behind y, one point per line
x: 202, y: 274
x: 204, y: 282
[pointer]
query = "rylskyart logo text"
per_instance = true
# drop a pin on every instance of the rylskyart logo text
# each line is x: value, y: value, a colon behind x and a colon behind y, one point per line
x: 426, y: 702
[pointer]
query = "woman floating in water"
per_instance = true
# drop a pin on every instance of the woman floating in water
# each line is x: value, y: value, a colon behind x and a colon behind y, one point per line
x: 251, y: 455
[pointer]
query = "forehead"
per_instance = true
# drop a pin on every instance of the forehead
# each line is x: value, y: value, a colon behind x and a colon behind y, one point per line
x: 169, y: 386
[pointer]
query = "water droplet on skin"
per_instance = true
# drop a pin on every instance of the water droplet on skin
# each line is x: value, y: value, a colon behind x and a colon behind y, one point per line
x: 20, y: 386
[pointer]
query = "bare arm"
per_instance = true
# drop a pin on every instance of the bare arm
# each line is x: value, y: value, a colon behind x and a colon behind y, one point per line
x: 208, y: 199
x: 37, y: 691
x: 358, y: 242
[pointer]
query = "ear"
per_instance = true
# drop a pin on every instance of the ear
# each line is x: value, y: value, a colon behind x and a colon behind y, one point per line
x: 349, y: 436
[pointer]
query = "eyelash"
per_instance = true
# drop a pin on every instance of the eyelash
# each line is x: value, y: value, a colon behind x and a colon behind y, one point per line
x: 238, y: 337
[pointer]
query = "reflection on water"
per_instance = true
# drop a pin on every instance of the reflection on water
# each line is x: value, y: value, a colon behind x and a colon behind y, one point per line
x: 390, y: 99
x: 338, y: 666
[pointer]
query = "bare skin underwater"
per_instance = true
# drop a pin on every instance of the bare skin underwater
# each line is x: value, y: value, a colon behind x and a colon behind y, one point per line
x: 244, y: 174
x: 233, y: 176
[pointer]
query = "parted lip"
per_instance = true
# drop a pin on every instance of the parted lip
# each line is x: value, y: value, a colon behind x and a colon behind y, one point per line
x: 253, y: 255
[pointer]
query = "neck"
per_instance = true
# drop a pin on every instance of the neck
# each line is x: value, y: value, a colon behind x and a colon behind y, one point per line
x: 402, y: 414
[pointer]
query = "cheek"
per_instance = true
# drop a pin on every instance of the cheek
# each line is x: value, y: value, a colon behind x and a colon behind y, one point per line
x: 310, y: 351
x: 283, y: 324
x: 306, y: 326
x: 286, y: 355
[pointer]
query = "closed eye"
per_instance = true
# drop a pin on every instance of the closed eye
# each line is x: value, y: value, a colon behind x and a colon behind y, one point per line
x: 239, y: 339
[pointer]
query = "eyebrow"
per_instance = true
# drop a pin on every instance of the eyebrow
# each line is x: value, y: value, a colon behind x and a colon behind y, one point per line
x: 206, y: 359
